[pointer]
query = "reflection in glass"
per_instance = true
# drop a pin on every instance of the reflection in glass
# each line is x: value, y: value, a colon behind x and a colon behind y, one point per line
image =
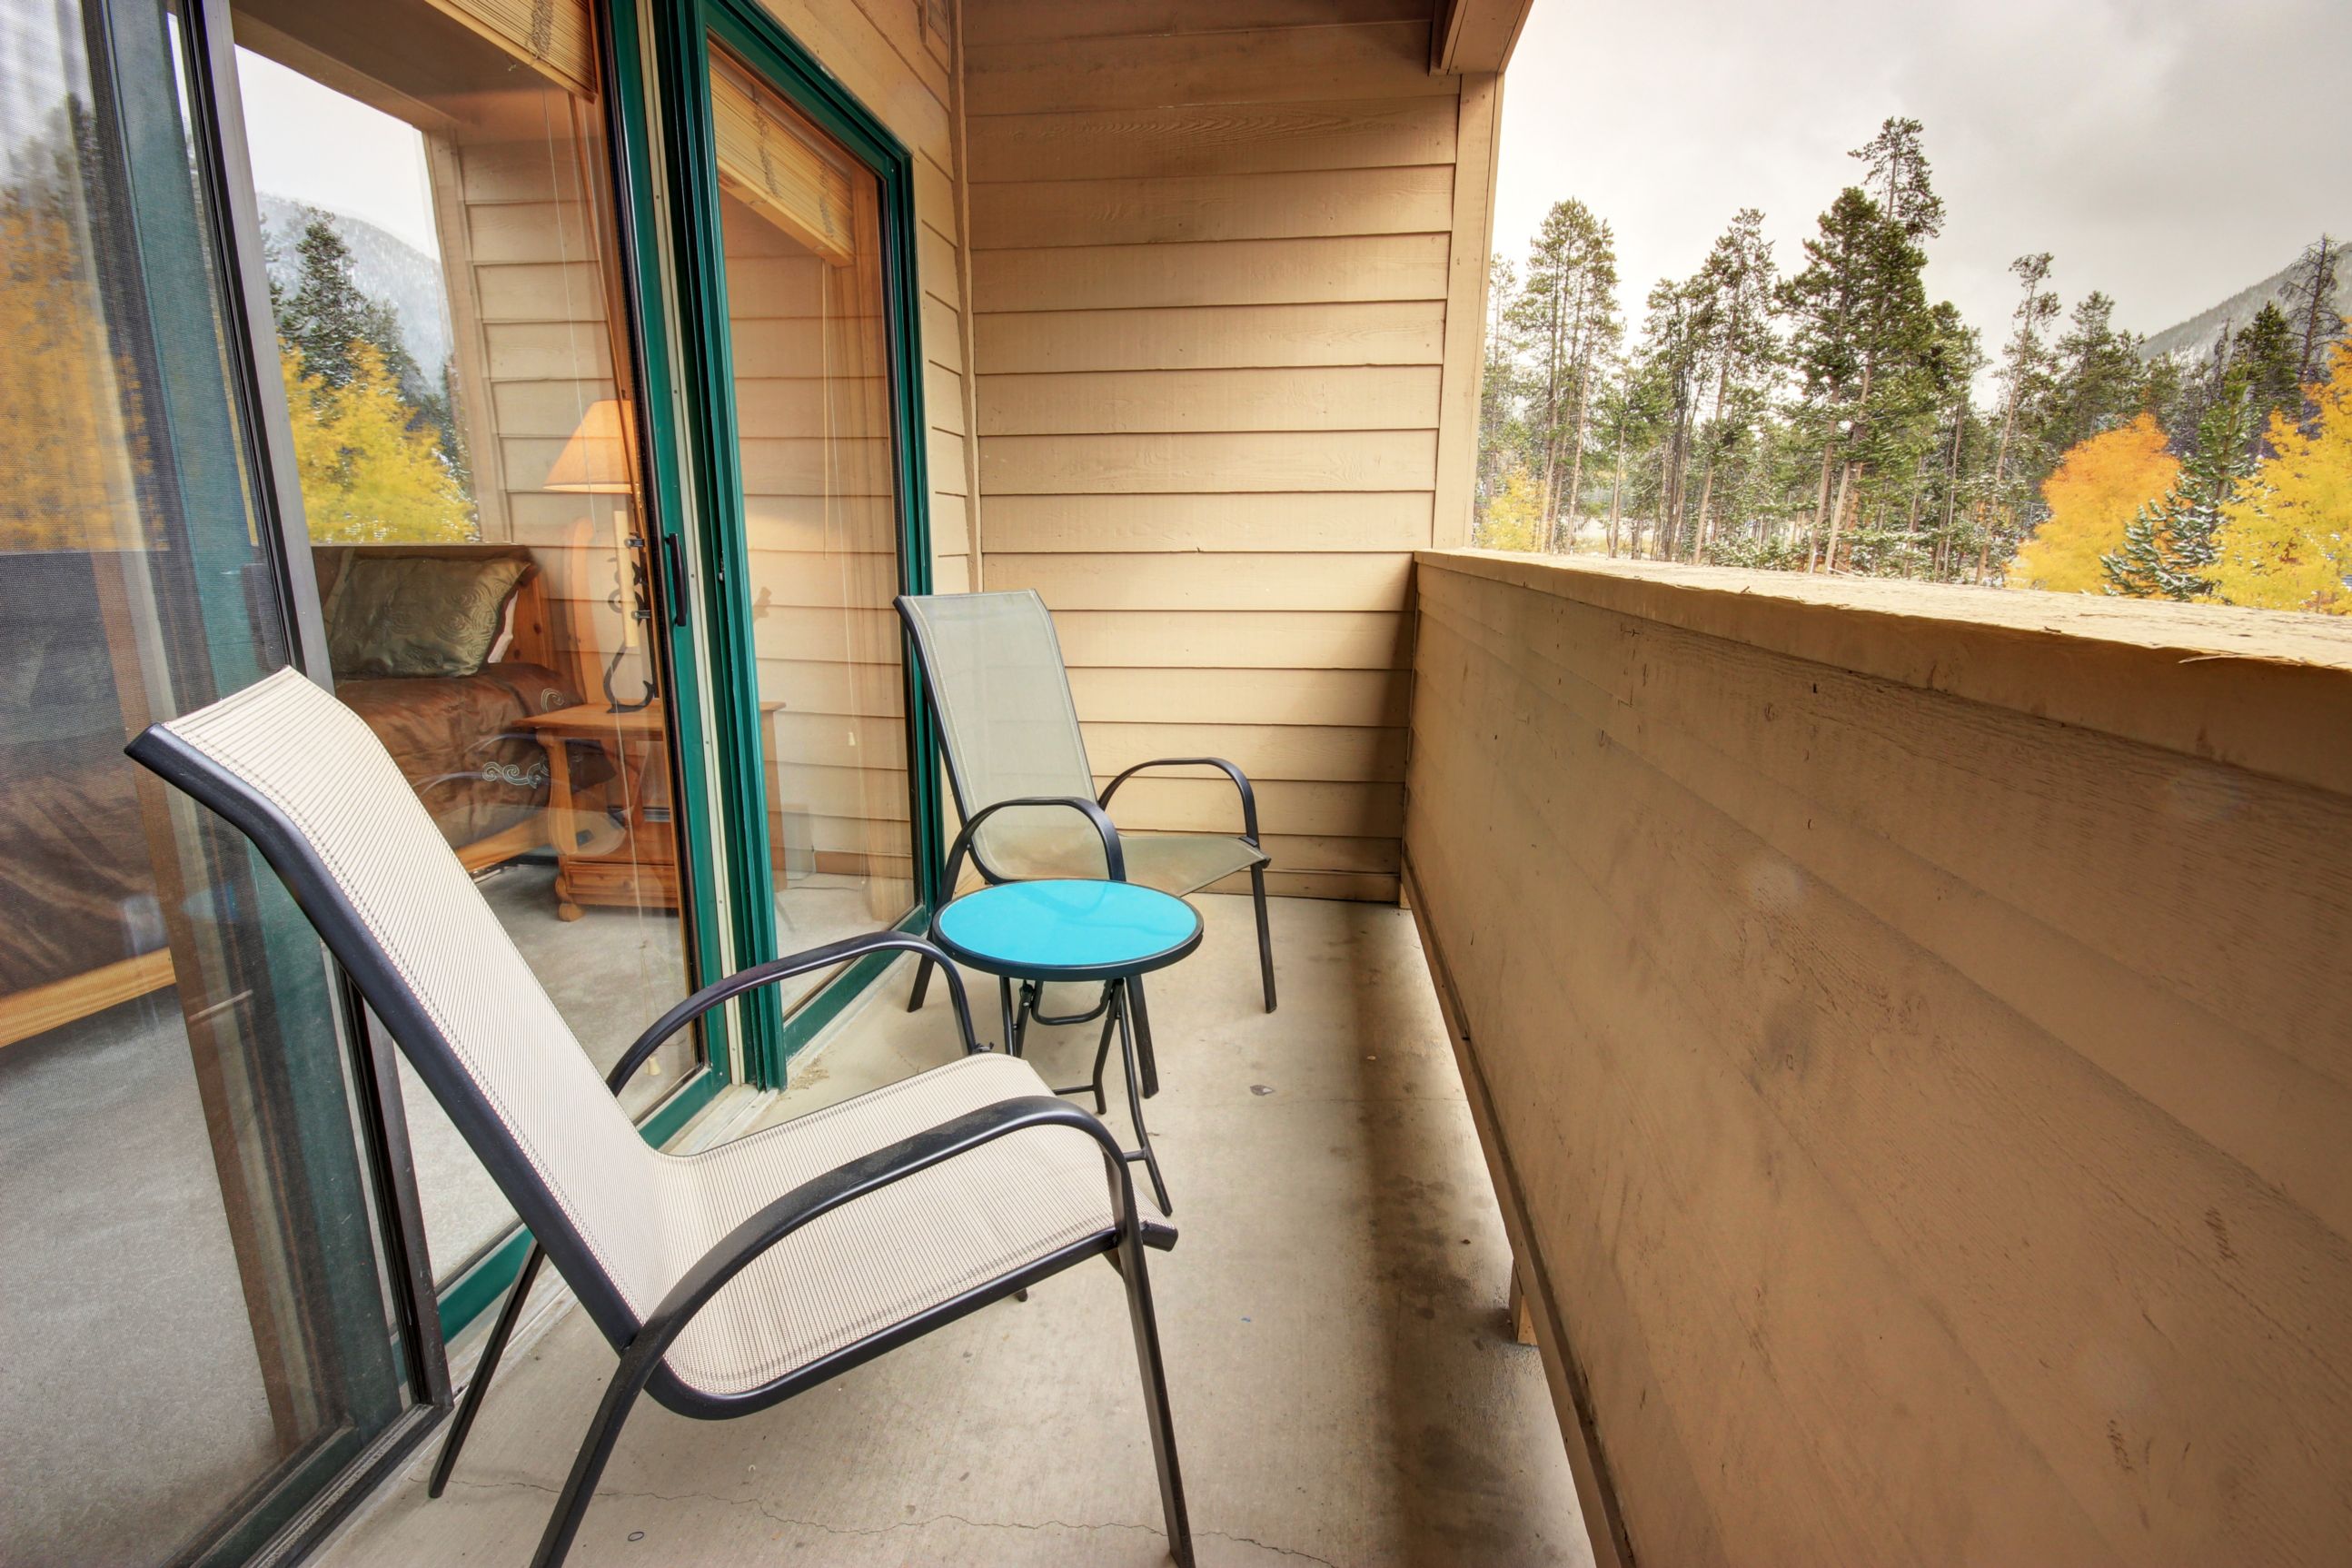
x: 452, y: 336
x: 197, y: 1326
x: 805, y: 295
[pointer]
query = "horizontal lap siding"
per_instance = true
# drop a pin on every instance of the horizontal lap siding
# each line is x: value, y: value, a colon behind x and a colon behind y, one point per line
x: 1212, y: 245
x: 1930, y: 1116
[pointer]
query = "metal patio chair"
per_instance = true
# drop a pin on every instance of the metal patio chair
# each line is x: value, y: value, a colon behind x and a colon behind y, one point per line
x: 1023, y: 788
x: 727, y: 1280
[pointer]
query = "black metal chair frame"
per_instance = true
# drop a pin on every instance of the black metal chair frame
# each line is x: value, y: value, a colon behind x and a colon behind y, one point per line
x: 641, y: 1345
x: 1098, y: 809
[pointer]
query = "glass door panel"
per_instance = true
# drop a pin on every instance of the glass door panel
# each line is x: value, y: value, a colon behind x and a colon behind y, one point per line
x: 454, y: 336
x: 800, y: 223
x: 199, y: 1332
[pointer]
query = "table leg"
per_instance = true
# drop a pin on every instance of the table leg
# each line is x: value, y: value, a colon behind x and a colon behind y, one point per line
x: 1012, y: 1020
x: 563, y: 822
x: 1126, y: 1038
x: 1133, y: 986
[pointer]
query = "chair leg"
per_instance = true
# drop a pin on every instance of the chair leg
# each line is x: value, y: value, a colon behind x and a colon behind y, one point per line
x: 1265, y: 935
x: 1129, y: 1260
x: 1143, y: 1036
x: 595, y: 1449
x: 922, y: 985
x: 461, y: 1421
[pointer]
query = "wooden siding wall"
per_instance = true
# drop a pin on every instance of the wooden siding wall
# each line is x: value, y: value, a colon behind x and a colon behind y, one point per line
x: 1916, y: 1053
x: 1225, y: 264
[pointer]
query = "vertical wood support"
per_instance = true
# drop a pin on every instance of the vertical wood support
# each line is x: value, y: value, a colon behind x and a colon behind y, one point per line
x: 1465, y: 308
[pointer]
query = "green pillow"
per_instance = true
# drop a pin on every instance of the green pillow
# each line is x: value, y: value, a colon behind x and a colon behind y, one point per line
x: 418, y: 615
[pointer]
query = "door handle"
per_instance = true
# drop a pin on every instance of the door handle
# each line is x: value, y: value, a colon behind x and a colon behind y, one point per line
x: 673, y: 577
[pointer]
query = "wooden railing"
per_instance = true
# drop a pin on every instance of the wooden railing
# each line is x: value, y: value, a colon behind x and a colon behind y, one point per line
x: 1911, y: 1029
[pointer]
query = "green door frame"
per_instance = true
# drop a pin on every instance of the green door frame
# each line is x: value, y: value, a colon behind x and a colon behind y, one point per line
x: 694, y: 512
x: 682, y: 64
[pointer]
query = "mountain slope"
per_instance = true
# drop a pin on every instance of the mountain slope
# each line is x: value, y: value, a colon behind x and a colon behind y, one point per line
x: 2195, y: 334
x: 383, y: 266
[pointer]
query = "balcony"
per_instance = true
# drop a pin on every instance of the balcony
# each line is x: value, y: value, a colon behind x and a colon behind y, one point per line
x: 1349, y: 1389
x: 1905, y: 1032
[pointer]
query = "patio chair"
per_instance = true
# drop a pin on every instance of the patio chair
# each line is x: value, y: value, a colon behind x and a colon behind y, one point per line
x: 1016, y: 758
x: 727, y: 1280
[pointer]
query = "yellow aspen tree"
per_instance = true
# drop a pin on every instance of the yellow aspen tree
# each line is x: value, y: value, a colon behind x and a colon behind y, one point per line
x: 2286, y: 540
x: 2092, y: 495
x: 1514, y: 518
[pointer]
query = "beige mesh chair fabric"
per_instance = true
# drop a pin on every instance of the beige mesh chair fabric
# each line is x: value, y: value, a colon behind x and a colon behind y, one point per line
x: 553, y: 1131
x: 1012, y: 731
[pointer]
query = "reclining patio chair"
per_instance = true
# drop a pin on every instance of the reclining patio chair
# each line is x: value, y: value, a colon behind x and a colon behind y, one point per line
x: 727, y: 1280
x: 1023, y: 788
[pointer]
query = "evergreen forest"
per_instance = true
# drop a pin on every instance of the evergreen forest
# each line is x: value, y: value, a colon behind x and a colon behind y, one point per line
x: 1838, y: 419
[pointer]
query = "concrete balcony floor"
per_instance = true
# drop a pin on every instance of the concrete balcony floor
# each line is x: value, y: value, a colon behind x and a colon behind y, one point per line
x: 1344, y: 1384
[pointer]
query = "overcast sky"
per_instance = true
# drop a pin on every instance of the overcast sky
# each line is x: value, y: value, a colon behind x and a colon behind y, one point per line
x: 310, y: 144
x: 2170, y: 152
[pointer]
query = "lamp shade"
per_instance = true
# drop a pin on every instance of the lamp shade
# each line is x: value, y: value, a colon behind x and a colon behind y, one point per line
x: 601, y: 459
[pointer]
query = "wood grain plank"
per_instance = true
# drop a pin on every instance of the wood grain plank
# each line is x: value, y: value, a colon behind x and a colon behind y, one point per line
x: 1326, y: 398
x: 1221, y: 462
x: 1213, y: 139
x: 1197, y: 581
x: 1357, y: 698
x: 1234, y: 639
x: 1051, y: 21
x: 1370, y: 519
x: 1127, y: 210
x: 1212, y: 337
x: 1214, y: 272
x: 1385, y: 60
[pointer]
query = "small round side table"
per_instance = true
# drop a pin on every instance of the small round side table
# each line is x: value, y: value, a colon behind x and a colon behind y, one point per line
x: 1073, y: 931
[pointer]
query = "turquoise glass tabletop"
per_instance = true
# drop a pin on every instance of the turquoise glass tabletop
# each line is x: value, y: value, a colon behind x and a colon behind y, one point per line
x: 1074, y: 928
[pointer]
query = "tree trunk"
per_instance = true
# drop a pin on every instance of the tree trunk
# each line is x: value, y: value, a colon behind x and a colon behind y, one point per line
x: 1821, y: 500
x: 1837, y: 515
x: 1576, y: 457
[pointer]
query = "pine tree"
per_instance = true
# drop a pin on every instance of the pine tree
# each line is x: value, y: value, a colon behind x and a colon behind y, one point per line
x: 2097, y: 381
x: 2310, y: 296
x: 1899, y: 178
x: 326, y: 315
x: 1737, y: 289
x: 2172, y: 542
x: 1567, y: 307
x: 2265, y: 351
x: 2024, y: 373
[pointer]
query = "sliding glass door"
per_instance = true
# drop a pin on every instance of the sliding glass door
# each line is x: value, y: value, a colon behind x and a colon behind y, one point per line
x: 541, y: 377
x: 795, y: 209
x: 208, y: 1320
x: 438, y: 213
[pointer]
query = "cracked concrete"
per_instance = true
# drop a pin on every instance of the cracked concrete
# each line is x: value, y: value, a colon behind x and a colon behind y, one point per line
x: 1345, y: 1387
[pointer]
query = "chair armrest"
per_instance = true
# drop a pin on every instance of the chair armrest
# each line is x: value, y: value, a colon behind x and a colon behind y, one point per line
x: 1241, y: 782
x: 785, y: 968
x: 845, y: 1184
x: 1114, y: 858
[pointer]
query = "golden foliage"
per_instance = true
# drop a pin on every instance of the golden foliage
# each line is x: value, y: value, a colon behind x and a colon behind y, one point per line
x: 368, y: 474
x: 2286, y: 539
x: 2097, y: 488
x: 1514, y: 518
x: 72, y: 446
